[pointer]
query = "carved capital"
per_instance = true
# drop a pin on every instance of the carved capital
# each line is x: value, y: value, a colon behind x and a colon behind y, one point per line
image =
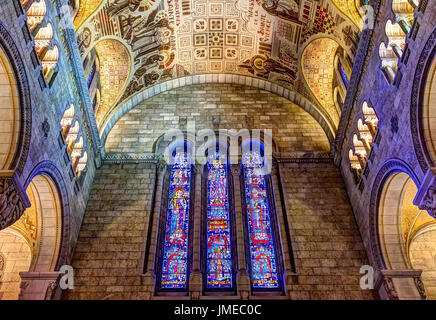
x: 401, y: 284
x: 243, y: 282
x: 51, y: 289
x: 236, y: 168
x: 13, y: 199
x: 195, y: 285
x: 426, y: 197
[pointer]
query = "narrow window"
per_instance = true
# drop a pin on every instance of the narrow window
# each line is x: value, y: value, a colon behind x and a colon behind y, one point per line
x: 174, y: 269
x: 218, y: 228
x: 343, y: 74
x: 91, y: 74
x: 263, y: 253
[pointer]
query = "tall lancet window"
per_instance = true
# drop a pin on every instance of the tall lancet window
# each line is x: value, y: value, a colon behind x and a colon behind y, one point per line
x: 262, y: 246
x: 175, y: 260
x: 343, y: 74
x: 218, y: 226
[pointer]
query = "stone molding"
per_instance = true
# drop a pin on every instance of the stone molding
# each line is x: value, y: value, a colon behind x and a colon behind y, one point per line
x: 39, y: 286
x: 19, y: 69
x: 390, y: 167
x: 122, y: 158
x: 49, y: 169
x: 416, y: 102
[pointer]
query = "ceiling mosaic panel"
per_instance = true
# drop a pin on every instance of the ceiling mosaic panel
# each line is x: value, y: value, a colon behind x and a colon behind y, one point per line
x: 349, y: 8
x: 114, y: 70
x: 86, y: 8
x: 172, y: 38
x: 318, y: 69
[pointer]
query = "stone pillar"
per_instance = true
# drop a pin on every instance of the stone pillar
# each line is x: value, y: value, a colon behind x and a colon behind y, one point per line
x: 148, y: 278
x: 13, y: 199
x: 196, y: 279
x: 426, y: 197
x: 400, y: 285
x: 40, y: 286
x: 242, y: 277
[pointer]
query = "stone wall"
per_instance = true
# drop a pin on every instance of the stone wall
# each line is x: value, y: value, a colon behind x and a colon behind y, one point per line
x: 328, y: 251
x: 108, y: 259
x: 235, y: 106
x: 328, y: 248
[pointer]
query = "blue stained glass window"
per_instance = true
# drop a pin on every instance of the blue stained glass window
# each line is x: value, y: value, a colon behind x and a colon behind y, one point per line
x: 344, y: 75
x: 264, y: 271
x: 219, y: 257
x: 175, y: 253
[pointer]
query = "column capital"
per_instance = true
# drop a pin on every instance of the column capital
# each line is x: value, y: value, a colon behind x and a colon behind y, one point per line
x: 400, y: 285
x: 13, y: 199
x: 195, y: 285
x: 243, y: 281
x: 40, y: 285
x: 426, y: 197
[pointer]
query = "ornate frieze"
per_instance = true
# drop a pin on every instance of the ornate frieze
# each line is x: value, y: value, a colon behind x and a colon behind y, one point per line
x: 13, y: 199
x: 426, y: 196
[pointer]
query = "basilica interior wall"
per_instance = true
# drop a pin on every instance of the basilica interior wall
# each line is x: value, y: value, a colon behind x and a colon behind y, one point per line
x: 217, y: 106
x: 326, y: 246
x: 46, y: 98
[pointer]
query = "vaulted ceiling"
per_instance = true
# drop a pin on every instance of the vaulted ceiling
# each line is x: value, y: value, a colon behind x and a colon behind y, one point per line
x: 146, y: 42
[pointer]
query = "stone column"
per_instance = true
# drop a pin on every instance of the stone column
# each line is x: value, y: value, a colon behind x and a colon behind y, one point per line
x: 242, y: 277
x: 148, y: 278
x: 400, y: 285
x: 426, y: 197
x: 40, y: 286
x: 13, y: 199
x: 196, y: 279
x: 279, y: 189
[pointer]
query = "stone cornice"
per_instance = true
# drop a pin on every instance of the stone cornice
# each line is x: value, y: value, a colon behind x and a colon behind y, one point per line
x: 121, y: 158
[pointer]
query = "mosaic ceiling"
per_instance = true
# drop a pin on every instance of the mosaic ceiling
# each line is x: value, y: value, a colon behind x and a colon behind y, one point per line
x: 167, y: 39
x: 114, y: 69
x: 319, y: 54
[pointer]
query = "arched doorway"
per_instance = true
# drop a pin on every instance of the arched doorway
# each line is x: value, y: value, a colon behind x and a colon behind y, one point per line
x: 401, y: 235
x: 422, y: 252
x: 9, y: 111
x: 32, y: 243
x: 429, y: 112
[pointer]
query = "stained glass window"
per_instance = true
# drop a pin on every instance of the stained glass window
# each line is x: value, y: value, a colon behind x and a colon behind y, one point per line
x: 344, y: 75
x: 219, y: 251
x: 175, y: 253
x: 264, y: 272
